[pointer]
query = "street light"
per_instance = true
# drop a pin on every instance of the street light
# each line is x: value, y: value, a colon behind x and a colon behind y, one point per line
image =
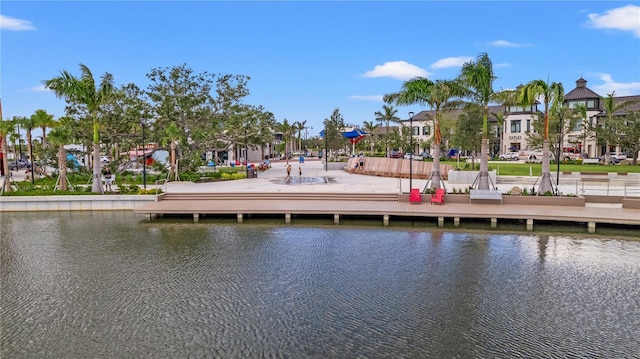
x: 144, y: 158
x: 411, y: 153
x: 246, y: 160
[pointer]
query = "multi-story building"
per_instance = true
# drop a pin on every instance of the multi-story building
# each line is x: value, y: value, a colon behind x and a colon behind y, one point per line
x: 513, y: 133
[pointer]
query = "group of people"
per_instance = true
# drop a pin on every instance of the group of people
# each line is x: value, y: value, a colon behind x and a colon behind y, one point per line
x: 288, y: 168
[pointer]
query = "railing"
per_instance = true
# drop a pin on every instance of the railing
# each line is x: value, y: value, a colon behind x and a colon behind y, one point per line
x: 160, y: 183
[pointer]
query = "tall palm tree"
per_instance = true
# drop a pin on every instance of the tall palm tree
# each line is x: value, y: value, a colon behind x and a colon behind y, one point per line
x: 5, y: 128
x: 371, y: 127
x: 553, y: 96
x: 388, y: 114
x: 59, y: 136
x: 43, y: 120
x: 287, y: 130
x: 28, y: 123
x: 477, y: 78
x: 506, y: 98
x: 83, y: 90
x: 441, y: 95
x: 300, y: 126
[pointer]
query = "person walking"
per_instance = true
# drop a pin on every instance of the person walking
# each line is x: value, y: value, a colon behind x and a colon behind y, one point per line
x: 300, y: 171
x: 107, y: 179
x: 361, y: 161
x: 288, y: 170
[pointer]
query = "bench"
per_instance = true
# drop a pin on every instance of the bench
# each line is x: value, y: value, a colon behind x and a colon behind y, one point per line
x: 207, y: 169
x: 492, y: 194
x: 590, y: 161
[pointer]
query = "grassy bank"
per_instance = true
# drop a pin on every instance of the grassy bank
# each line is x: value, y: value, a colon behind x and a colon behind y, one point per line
x: 525, y: 169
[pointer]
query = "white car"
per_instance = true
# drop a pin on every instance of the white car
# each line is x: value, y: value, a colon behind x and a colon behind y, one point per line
x: 105, y: 159
x: 510, y: 156
x: 619, y: 156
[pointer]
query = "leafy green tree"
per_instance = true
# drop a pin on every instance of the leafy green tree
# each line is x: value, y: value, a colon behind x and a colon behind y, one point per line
x: 198, y: 103
x: 442, y: 96
x: 83, y: 90
x: 553, y: 96
x: 609, y: 132
x: 477, y: 78
x: 630, y: 138
x: 468, y: 135
x: 386, y: 116
x: 561, y: 120
x: 333, y: 127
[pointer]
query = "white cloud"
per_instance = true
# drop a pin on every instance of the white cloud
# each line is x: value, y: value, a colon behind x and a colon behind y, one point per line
x: 40, y: 88
x: 451, y: 62
x: 609, y: 85
x: 504, y: 64
x: 9, y: 23
x: 505, y: 43
x: 400, y: 70
x: 625, y: 18
x: 367, y: 98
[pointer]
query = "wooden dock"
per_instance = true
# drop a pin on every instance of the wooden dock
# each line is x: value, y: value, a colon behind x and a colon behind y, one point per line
x: 386, y: 206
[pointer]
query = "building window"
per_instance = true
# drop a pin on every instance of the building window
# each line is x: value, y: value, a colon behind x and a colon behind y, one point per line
x: 578, y: 125
x: 515, y: 126
x: 426, y: 130
x: 591, y: 104
x: 415, y: 130
x: 528, y: 125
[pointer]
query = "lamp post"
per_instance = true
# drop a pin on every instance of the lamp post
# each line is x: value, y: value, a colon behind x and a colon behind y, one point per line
x: 326, y: 148
x: 560, y: 148
x: 246, y: 160
x: 411, y: 153
x: 144, y: 158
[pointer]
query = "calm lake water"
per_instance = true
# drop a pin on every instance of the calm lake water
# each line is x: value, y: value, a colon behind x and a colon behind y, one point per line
x: 110, y: 285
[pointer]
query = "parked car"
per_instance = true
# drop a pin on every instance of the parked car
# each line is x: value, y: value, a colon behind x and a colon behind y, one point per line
x: 619, y: 156
x: 18, y: 164
x: 396, y: 154
x: 408, y: 155
x: 105, y: 159
x: 612, y: 160
x: 514, y: 156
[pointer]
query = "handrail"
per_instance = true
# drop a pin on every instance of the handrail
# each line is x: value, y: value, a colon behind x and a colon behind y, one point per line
x: 162, y: 182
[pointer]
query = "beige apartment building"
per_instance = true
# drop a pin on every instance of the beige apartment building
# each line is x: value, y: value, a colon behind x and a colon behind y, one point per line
x: 513, y: 135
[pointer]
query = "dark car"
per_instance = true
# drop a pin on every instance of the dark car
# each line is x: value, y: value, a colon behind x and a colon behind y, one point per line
x: 16, y: 165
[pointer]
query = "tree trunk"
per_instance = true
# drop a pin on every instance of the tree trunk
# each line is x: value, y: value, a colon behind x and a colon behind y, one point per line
x: 436, y: 178
x: 96, y: 187
x: 545, y: 177
x: 5, y: 164
x: 173, y: 159
x: 62, y: 169
x: 483, y: 175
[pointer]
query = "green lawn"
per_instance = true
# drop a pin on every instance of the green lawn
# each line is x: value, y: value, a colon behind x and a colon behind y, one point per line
x: 525, y: 169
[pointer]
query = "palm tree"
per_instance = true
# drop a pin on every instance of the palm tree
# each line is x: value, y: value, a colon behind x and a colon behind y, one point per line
x: 83, y: 91
x: 300, y: 126
x: 441, y: 96
x: 506, y: 98
x: 5, y: 128
x: 371, y: 127
x: 388, y: 115
x: 59, y: 136
x: 43, y: 120
x: 477, y: 78
x: 553, y: 94
x: 287, y: 132
x: 28, y: 123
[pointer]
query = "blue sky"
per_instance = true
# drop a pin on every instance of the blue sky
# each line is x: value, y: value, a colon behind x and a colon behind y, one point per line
x: 307, y: 58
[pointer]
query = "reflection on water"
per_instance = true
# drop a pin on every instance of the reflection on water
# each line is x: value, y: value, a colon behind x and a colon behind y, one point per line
x: 105, y: 284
